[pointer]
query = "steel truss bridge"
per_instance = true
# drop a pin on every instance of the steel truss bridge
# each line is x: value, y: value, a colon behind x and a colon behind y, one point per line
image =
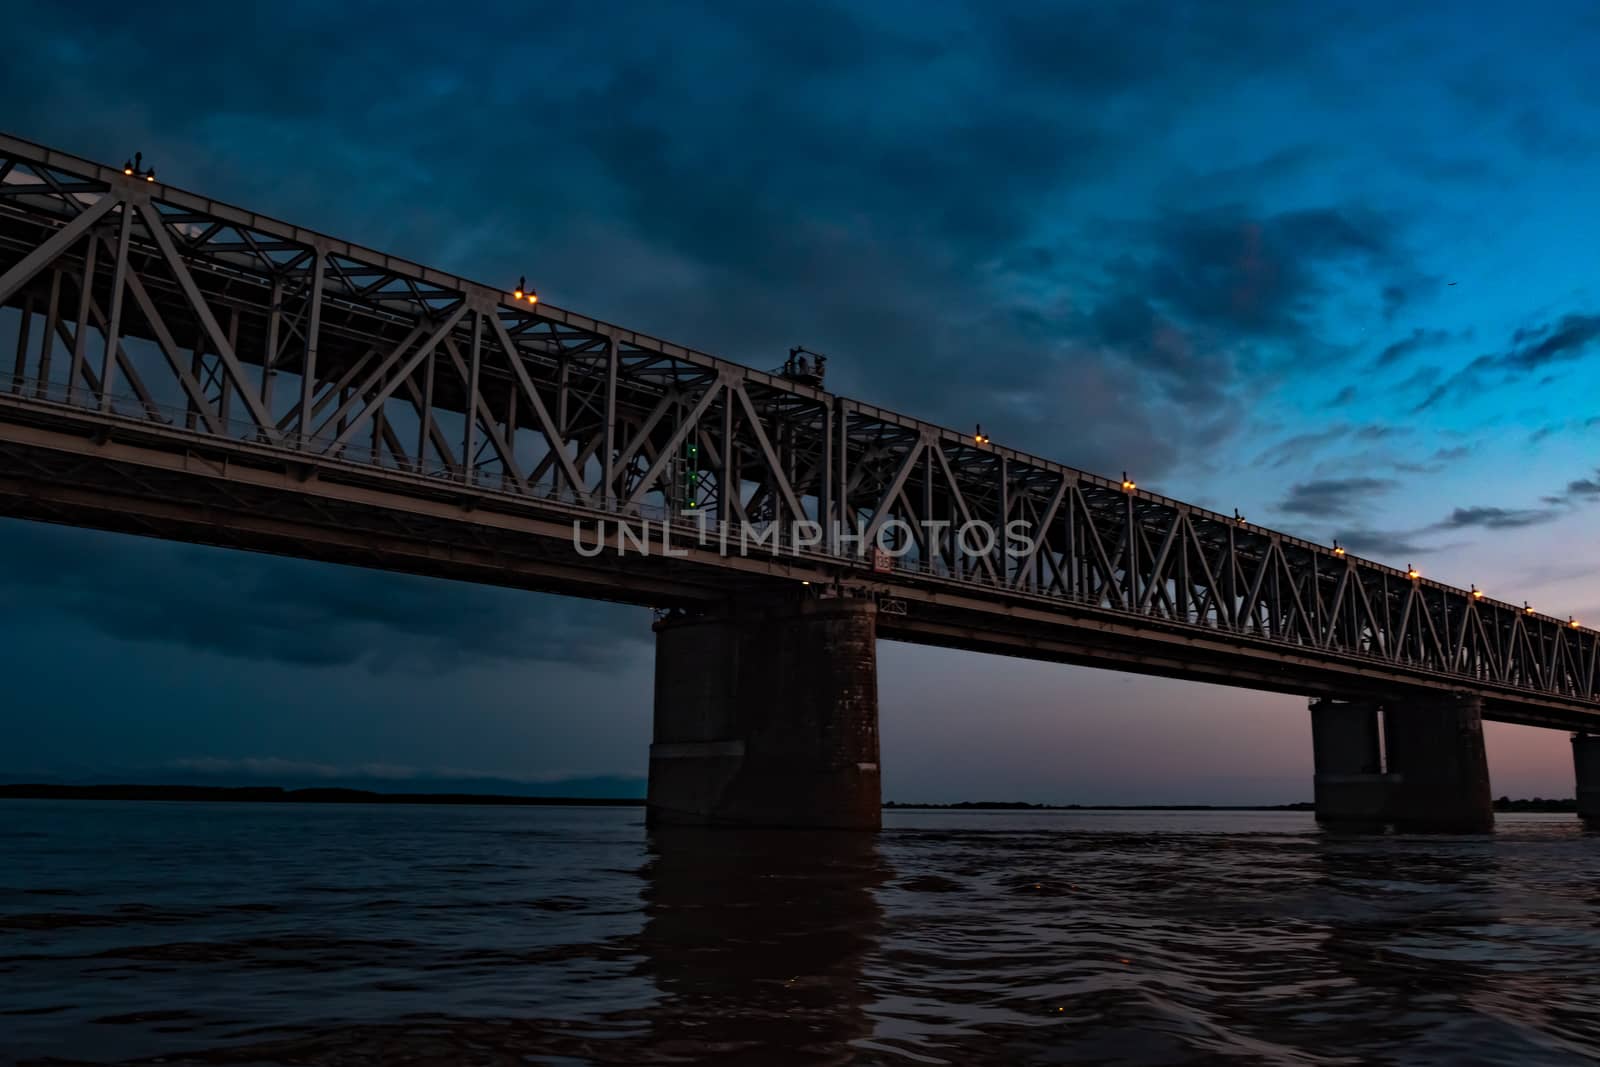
x: 177, y: 367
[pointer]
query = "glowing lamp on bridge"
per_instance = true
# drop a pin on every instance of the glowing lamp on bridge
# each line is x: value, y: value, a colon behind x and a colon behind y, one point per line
x: 1412, y: 572
x: 1337, y: 551
x: 135, y: 168
x: 1573, y: 622
x: 978, y: 437
x: 522, y: 292
x: 1477, y: 594
x: 1127, y: 486
x: 1527, y: 608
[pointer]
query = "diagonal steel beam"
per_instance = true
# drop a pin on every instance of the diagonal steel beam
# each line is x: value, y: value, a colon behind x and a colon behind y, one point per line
x: 670, y: 449
x: 386, y: 390
x: 219, y: 341
x: 47, y: 253
x: 556, y: 442
x: 480, y: 417
x: 880, y: 512
x: 779, y: 477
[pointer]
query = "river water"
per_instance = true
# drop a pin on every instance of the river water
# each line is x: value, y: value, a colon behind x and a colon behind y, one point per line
x: 354, y: 935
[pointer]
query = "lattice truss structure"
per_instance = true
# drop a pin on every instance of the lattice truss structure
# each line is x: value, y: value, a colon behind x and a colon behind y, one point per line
x: 137, y: 301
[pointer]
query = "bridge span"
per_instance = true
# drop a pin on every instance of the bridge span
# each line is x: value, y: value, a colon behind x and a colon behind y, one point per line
x: 180, y: 368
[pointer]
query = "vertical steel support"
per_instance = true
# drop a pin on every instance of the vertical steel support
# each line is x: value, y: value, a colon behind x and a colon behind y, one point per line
x: 1073, y: 579
x: 826, y: 483
x: 608, y: 473
x: 52, y: 320
x: 80, y: 337
x: 425, y: 421
x: 563, y: 382
x: 1233, y: 578
x: 841, y: 421
x: 308, y: 370
x: 1130, y: 561
x: 469, y: 444
x: 1002, y: 561
x: 225, y: 380
x: 729, y: 487
x: 269, y: 361
x: 19, y: 370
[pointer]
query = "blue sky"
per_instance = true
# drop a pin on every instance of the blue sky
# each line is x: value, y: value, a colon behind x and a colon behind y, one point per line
x: 1330, y: 264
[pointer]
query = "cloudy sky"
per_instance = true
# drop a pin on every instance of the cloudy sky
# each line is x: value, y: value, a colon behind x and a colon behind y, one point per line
x: 1331, y: 264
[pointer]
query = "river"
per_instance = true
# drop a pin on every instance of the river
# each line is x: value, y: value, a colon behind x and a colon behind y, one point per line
x: 236, y: 933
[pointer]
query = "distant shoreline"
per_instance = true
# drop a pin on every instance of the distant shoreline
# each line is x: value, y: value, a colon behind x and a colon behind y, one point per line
x: 279, y: 795
x: 1007, y: 805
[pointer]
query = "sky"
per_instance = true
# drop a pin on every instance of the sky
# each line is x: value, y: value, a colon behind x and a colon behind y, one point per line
x: 1330, y: 264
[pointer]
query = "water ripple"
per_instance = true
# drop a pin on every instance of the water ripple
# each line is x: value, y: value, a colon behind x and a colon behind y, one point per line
x: 242, y: 934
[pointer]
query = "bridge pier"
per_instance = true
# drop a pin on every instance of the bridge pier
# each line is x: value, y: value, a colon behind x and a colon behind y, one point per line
x: 1586, y: 765
x: 1350, y: 785
x: 766, y: 714
x: 1430, y: 773
x: 1435, y: 750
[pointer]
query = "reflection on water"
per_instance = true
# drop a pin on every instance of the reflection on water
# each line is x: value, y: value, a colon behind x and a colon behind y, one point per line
x: 756, y: 939
x: 235, y: 934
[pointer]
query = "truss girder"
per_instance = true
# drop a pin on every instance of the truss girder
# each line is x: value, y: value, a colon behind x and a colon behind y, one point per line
x: 127, y: 300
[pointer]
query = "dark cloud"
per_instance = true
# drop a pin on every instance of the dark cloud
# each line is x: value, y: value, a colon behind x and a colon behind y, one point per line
x: 1254, y: 276
x: 1493, y: 518
x: 1530, y: 349
x: 1302, y: 448
x: 1332, y: 497
x: 1565, y: 340
x: 1418, y: 340
x: 256, y: 607
x: 1375, y: 543
x: 1584, y: 488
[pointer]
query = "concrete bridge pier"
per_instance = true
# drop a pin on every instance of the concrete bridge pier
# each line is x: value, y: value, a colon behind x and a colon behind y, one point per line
x: 1434, y: 748
x: 1586, y: 764
x: 1350, y: 786
x: 1428, y: 772
x: 766, y: 714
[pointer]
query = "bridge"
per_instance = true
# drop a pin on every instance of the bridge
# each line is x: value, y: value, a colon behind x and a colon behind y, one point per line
x: 177, y: 367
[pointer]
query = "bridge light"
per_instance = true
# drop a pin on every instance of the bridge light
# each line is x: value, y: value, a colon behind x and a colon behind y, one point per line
x: 1527, y: 608
x: 1337, y: 551
x: 1477, y: 594
x: 1127, y: 485
x: 1238, y: 518
x: 135, y: 168
x: 522, y: 286
x: 1572, y: 622
x: 1412, y: 572
x: 977, y: 435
